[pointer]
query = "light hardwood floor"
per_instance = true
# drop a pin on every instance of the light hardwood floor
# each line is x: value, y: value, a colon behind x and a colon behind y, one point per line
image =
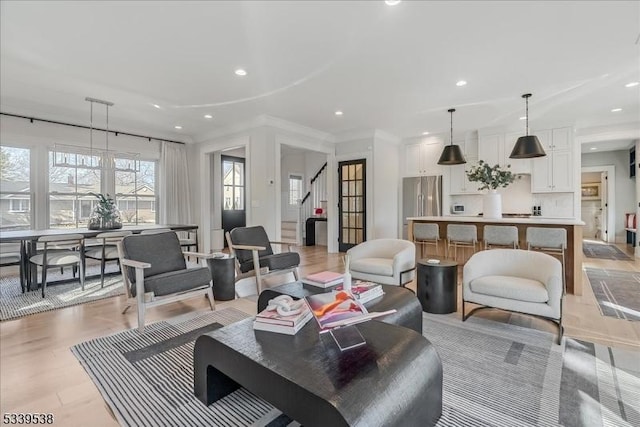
x: 38, y: 372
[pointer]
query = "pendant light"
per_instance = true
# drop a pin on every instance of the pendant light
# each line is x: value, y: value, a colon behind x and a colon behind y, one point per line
x: 527, y: 146
x: 452, y: 154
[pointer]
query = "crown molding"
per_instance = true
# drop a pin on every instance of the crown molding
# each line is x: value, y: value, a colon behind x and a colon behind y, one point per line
x: 265, y: 120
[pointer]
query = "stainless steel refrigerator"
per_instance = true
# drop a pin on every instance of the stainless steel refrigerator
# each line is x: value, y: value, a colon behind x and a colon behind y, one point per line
x: 421, y: 196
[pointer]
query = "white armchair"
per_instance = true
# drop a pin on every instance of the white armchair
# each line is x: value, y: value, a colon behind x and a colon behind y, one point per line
x: 514, y: 280
x: 386, y: 261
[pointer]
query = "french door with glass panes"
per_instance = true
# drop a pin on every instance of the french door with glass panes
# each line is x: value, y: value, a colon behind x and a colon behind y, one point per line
x: 233, y: 193
x: 352, y: 203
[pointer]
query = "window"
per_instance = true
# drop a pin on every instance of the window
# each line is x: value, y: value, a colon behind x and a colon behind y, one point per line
x: 233, y: 183
x: 71, y: 180
x: 136, y: 191
x: 19, y: 205
x: 295, y: 189
x: 15, y: 188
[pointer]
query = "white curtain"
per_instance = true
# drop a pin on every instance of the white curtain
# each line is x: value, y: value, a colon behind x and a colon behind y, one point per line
x: 175, y: 192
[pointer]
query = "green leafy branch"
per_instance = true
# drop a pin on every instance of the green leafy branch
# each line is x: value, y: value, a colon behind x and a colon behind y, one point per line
x: 491, y: 177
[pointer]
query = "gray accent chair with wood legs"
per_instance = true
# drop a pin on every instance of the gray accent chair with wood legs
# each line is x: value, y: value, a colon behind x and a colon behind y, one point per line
x: 515, y: 280
x: 255, y: 257
x: 156, y: 273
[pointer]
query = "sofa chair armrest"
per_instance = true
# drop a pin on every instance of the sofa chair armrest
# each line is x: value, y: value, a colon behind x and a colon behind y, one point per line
x: 249, y: 247
x: 404, y: 262
x: 287, y: 244
x: 134, y: 263
x: 139, y: 267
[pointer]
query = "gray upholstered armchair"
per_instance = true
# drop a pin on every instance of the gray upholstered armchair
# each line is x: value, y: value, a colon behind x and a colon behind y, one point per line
x: 515, y: 280
x: 252, y: 248
x: 386, y: 261
x: 155, y: 272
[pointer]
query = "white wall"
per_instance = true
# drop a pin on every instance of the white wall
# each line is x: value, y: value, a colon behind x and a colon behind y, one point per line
x: 386, y: 189
x: 625, y: 186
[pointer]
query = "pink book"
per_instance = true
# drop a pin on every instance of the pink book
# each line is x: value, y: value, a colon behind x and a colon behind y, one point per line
x: 324, y: 276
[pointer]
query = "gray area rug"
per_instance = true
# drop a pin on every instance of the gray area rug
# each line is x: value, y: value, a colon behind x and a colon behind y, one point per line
x: 494, y: 375
x: 604, y: 251
x: 617, y: 292
x: 14, y: 304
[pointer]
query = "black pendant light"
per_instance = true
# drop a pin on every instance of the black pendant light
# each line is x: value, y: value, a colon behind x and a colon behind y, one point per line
x: 528, y: 146
x: 452, y: 154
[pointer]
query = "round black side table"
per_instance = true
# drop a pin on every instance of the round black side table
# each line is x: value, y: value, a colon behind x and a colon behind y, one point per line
x: 223, y: 273
x: 438, y: 285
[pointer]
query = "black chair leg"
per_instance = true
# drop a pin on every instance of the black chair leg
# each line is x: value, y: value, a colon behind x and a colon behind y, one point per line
x: 44, y: 279
x: 102, y: 263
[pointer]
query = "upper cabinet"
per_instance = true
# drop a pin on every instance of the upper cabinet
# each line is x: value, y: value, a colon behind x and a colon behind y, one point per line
x: 458, y: 181
x: 553, y: 173
x: 495, y: 150
x: 422, y: 158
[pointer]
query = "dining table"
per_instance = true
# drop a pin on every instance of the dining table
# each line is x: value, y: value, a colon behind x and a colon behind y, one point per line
x: 28, y: 244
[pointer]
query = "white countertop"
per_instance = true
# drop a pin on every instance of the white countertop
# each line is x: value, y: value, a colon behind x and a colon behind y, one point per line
x: 506, y: 220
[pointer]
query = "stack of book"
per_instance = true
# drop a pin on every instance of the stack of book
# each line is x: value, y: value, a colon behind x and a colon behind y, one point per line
x: 324, y: 279
x: 364, y: 291
x: 270, y: 320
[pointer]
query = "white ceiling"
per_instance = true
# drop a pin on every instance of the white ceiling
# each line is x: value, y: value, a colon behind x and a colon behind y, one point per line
x: 389, y: 68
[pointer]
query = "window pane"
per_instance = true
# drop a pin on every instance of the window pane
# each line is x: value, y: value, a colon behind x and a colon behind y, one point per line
x: 15, y: 189
x: 228, y: 197
x: 239, y: 198
x: 135, y: 191
x: 227, y: 172
x: 238, y: 173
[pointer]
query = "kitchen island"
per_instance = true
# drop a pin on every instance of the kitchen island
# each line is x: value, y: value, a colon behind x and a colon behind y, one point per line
x: 573, y: 253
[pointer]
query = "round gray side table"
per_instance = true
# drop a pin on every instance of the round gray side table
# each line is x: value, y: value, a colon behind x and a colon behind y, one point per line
x: 223, y: 273
x: 438, y: 285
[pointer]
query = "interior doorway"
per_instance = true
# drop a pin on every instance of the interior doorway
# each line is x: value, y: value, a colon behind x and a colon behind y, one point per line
x: 233, y: 193
x: 352, y: 202
x: 597, y: 203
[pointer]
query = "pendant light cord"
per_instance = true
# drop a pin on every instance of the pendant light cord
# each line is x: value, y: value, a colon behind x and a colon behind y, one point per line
x: 527, y: 114
x: 451, y: 110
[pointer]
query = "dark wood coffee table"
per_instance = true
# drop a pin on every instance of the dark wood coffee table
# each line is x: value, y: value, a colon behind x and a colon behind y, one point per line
x: 395, y: 379
x: 408, y: 314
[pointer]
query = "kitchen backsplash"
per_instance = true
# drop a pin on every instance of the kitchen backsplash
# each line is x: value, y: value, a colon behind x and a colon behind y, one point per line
x: 517, y: 198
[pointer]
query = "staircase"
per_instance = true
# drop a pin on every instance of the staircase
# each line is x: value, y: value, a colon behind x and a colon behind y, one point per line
x: 316, y: 197
x: 289, y: 231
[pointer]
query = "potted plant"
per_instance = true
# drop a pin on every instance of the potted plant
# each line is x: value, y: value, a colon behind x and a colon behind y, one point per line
x: 105, y: 215
x: 491, y: 178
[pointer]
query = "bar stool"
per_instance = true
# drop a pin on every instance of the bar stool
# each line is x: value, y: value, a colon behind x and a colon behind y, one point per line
x: 500, y: 236
x: 426, y: 234
x: 552, y: 241
x: 461, y: 235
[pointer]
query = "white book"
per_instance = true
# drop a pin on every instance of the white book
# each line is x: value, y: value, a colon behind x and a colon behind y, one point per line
x: 321, y: 284
x: 282, y: 329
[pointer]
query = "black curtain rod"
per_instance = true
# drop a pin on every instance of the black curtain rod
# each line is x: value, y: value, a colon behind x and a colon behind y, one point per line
x: 116, y: 132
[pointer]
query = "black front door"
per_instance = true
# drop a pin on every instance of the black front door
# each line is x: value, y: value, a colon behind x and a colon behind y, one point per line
x: 352, y: 203
x: 233, y: 193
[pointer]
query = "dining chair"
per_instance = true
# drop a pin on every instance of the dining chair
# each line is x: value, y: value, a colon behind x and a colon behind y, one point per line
x: 60, y: 251
x: 107, y: 249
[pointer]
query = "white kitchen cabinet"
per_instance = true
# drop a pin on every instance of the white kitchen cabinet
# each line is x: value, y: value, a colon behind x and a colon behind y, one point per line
x: 490, y: 149
x: 422, y: 158
x: 459, y: 183
x: 496, y: 149
x: 553, y: 173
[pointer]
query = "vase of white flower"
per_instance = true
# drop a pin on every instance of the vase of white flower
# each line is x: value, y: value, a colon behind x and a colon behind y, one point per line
x: 491, y: 177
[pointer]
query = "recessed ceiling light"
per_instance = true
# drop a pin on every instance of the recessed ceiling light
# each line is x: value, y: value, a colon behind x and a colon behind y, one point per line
x: 156, y: 105
x: 178, y: 127
x: 425, y: 133
x: 632, y: 84
x: 208, y: 116
x: 593, y: 148
x: 241, y: 72
x: 391, y: 2
x: 461, y: 83
x: 338, y: 113
x: 523, y: 118
x: 616, y: 110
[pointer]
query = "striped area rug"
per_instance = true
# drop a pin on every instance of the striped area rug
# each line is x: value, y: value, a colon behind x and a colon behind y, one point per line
x: 14, y: 304
x: 617, y: 292
x: 494, y: 375
x: 604, y: 251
